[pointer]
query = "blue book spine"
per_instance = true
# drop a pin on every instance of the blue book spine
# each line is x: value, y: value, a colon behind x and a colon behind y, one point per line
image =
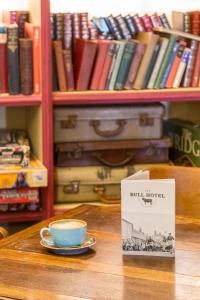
x: 98, y: 25
x: 169, y: 66
x: 104, y: 24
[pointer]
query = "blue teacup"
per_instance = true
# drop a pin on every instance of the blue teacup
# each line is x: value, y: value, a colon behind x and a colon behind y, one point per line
x: 65, y: 233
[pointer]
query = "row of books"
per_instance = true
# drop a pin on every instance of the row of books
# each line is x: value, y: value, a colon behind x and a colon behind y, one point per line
x: 188, y: 21
x: 19, y: 54
x: 152, y: 61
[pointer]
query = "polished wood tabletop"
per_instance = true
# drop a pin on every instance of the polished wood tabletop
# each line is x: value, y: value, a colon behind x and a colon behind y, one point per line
x: 29, y: 271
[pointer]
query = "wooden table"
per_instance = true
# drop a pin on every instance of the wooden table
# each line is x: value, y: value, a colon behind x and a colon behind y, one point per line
x: 28, y: 271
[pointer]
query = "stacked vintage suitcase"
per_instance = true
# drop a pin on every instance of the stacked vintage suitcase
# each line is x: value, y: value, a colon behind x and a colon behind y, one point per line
x: 96, y: 147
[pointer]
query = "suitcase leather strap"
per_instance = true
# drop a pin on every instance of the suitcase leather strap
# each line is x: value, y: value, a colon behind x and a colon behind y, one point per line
x: 3, y: 233
x: 99, y: 157
x: 100, y: 190
x: 108, y: 133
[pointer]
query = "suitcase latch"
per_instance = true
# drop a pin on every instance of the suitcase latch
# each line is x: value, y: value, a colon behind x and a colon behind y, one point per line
x: 76, y: 154
x: 145, y: 120
x: 71, y: 122
x: 72, y: 188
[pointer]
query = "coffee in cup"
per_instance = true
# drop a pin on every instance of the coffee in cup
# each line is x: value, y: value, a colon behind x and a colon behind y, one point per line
x: 65, y: 233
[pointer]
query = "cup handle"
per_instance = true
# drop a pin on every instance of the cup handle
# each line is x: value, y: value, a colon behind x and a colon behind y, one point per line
x: 47, y: 241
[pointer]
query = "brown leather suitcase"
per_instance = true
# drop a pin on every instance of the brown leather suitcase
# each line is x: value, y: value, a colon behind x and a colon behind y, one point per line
x: 124, y: 122
x: 112, y: 153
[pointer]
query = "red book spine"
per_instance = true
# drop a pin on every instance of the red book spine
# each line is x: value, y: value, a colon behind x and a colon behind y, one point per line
x: 138, y: 23
x: 85, y: 55
x: 106, y: 66
x: 101, y: 55
x: 147, y: 23
x: 3, y: 69
x: 67, y: 57
x: 195, y: 22
x: 196, y: 73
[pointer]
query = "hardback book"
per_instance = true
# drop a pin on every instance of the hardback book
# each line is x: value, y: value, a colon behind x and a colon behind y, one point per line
x: 114, y: 68
x: 84, y: 22
x: 106, y: 66
x: 125, y: 64
x: 187, y: 79
x: 33, y: 32
x: 26, y: 66
x: 67, y: 30
x: 168, y: 52
x: 23, y: 17
x: 138, y: 23
x: 100, y: 58
x: 62, y: 84
x: 69, y: 72
x: 59, y: 21
x: 195, y: 22
x: 164, y: 21
x: 177, y: 20
x: 3, y: 69
x: 148, y: 215
x: 196, y: 73
x: 152, y: 63
x: 85, y: 59
x: 76, y: 27
x: 114, y: 27
x: 130, y: 24
x: 181, y: 68
x: 187, y: 22
x: 148, y: 25
x: 150, y: 39
x: 169, y: 65
x: 10, y: 16
x: 175, y: 64
x: 13, y: 59
x: 53, y: 26
x: 164, y: 43
x: 123, y: 27
x: 140, y: 50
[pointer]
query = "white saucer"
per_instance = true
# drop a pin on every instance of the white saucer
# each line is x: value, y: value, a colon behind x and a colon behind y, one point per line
x: 89, y: 242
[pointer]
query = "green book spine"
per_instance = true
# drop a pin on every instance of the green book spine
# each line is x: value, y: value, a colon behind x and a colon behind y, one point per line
x: 125, y: 65
x: 172, y: 41
x: 151, y: 64
x: 117, y: 61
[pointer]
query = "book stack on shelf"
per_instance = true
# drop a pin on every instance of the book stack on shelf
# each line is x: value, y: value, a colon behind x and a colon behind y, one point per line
x: 19, y: 54
x: 124, y: 53
x: 20, y: 174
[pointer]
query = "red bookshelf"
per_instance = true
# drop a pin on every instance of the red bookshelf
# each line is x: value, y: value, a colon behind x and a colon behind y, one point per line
x: 20, y: 100
x: 110, y: 97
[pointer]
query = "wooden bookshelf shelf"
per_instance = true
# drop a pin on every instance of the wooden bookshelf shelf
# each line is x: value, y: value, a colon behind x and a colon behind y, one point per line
x: 110, y: 97
x: 21, y: 216
x: 20, y: 100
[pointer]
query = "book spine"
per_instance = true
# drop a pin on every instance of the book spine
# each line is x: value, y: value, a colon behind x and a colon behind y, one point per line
x: 67, y: 30
x: 172, y: 41
x: 84, y: 69
x: 190, y: 65
x: 84, y: 26
x: 20, y: 195
x: 155, y: 19
x: 76, y: 27
x: 67, y: 57
x: 115, y: 66
x: 151, y: 64
x: 54, y: 71
x: 134, y: 66
x: 130, y: 24
x: 36, y: 59
x: 196, y: 73
x: 114, y: 28
x: 13, y: 60
x: 106, y: 66
x: 138, y: 23
x: 62, y: 84
x: 165, y: 21
x: 93, y: 33
x: 129, y: 51
x: 158, y: 63
x: 195, y: 22
x: 187, y: 22
x: 169, y: 65
x: 147, y: 23
x: 112, y: 66
x: 181, y: 68
x: 177, y: 60
x: 26, y: 66
x: 23, y: 17
x: 124, y: 28
x: 53, y: 26
x: 59, y: 20
x: 3, y: 69
x: 101, y: 54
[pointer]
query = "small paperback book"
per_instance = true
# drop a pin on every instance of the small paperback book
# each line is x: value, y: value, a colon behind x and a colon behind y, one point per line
x: 148, y: 215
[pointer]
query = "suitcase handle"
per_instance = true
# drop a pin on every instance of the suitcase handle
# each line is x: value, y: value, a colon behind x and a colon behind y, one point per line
x: 108, y: 133
x: 100, y: 190
x: 99, y: 157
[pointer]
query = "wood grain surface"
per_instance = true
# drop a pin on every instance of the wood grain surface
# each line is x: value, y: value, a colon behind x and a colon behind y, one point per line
x: 29, y: 271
